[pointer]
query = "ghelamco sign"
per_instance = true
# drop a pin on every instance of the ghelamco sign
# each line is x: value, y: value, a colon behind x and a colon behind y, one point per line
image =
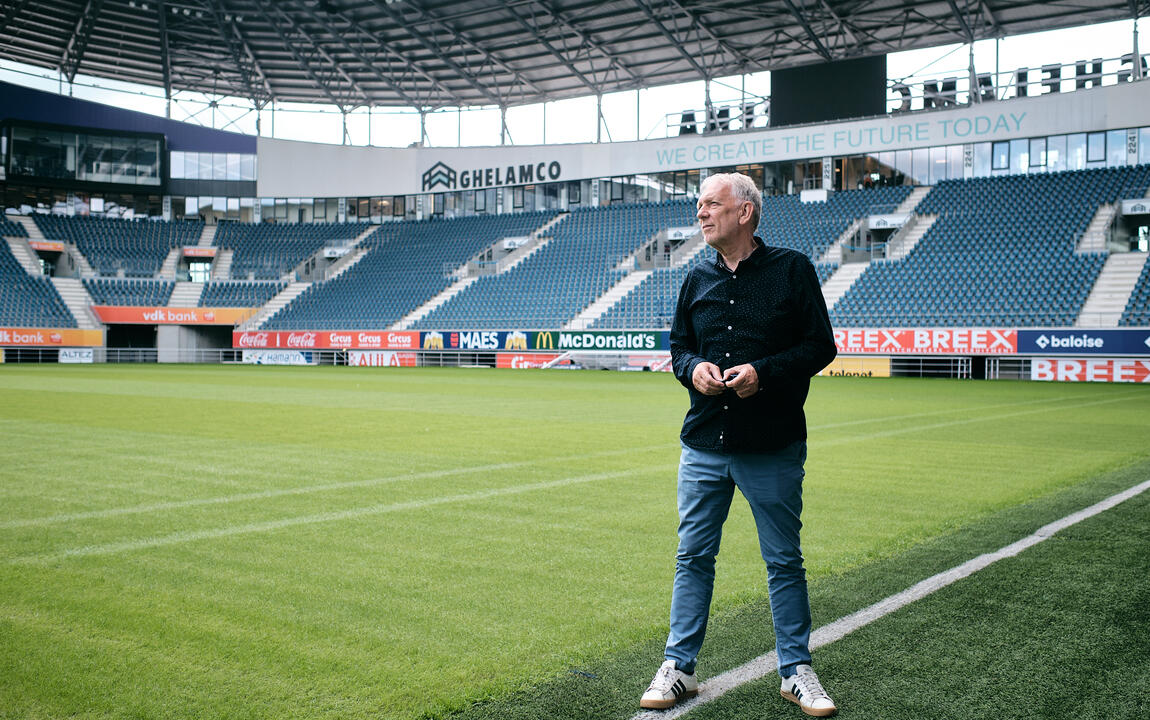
x: 441, y: 175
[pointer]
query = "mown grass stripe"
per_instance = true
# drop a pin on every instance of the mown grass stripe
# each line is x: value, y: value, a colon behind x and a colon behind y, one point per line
x: 352, y: 513
x: 767, y: 663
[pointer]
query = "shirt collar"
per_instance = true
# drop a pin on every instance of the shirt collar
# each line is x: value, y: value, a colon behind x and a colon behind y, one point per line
x: 750, y: 260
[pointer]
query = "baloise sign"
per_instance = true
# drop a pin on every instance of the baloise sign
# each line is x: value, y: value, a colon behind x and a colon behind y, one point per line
x: 442, y: 175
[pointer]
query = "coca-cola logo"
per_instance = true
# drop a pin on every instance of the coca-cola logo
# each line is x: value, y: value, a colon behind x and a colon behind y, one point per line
x: 254, y: 340
x: 338, y: 340
x: 306, y: 339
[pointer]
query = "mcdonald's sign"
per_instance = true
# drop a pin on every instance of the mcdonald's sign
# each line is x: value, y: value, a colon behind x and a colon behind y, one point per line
x: 544, y: 340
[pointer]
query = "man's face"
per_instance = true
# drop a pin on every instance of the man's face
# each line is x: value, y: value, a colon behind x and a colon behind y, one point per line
x: 719, y: 212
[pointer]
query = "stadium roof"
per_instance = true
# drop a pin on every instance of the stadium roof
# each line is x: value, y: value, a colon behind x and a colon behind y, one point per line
x: 446, y: 53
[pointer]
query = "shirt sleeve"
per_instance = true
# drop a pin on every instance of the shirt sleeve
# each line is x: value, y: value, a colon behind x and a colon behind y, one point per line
x: 816, y: 347
x: 684, y: 343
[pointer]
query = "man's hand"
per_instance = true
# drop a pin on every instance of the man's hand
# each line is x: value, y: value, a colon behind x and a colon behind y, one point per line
x: 743, y: 379
x: 708, y: 379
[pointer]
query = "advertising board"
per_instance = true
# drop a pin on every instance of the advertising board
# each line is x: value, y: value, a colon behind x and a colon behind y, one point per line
x: 857, y: 366
x: 50, y: 337
x: 140, y: 315
x: 1079, y: 341
x: 277, y: 357
x: 380, y: 358
x: 926, y: 341
x: 1108, y: 370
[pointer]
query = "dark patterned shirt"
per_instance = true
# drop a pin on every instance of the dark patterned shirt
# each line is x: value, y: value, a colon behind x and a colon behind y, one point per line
x: 770, y: 313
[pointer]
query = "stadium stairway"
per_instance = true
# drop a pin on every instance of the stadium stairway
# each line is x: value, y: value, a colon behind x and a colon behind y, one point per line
x: 30, y: 226
x: 285, y: 296
x: 837, y: 284
x: 1094, y: 237
x: 1107, y: 299
x: 222, y: 266
x: 908, y: 236
x: 834, y: 253
x: 168, y: 269
x: 607, y: 300
x: 538, y: 239
x: 24, y: 255
x: 186, y: 294
x: 207, y: 236
x: 78, y: 301
x: 423, y: 310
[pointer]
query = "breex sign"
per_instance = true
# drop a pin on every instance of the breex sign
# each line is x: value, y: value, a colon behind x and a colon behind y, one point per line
x: 927, y: 341
x: 1111, y: 370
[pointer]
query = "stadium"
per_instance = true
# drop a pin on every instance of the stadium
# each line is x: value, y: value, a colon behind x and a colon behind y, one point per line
x: 285, y: 432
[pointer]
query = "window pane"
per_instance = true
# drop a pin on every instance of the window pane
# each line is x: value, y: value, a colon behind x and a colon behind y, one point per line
x: 1115, y: 148
x: 1000, y: 156
x: 1095, y: 147
x: 1038, y: 152
x: 1056, y: 153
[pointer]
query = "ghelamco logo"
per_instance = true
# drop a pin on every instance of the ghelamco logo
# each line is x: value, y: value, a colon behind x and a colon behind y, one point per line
x: 441, y: 174
x: 1069, y: 342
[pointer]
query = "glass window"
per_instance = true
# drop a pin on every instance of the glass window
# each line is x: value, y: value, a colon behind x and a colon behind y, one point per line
x: 1038, y: 153
x: 954, y: 155
x: 1095, y: 147
x: 233, y: 166
x: 481, y: 199
x: 399, y: 205
x: 981, y: 159
x: 938, y: 165
x: 517, y: 197
x: 575, y: 191
x: 1056, y: 153
x: 247, y: 167
x: 203, y: 166
x: 219, y: 166
x: 920, y: 165
x: 1115, y: 148
x: 191, y: 207
x: 1144, y: 145
x: 1076, y: 151
x: 319, y: 209
x: 437, y: 204
x: 1019, y: 156
x: 176, y: 165
x: 1000, y: 156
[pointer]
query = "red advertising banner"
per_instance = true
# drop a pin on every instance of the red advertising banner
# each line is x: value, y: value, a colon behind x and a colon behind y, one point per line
x: 1111, y: 370
x: 927, y: 341
x: 197, y: 251
x: 327, y: 340
x: 381, y: 358
x: 523, y: 360
x: 138, y: 315
x: 50, y: 337
x: 47, y: 245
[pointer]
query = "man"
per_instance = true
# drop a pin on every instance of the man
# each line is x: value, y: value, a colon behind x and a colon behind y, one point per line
x: 750, y: 329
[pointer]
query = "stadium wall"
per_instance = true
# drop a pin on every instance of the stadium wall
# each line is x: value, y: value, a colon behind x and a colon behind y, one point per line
x: 300, y: 169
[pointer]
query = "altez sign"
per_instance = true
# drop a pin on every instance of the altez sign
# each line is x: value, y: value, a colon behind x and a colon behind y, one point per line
x: 446, y: 177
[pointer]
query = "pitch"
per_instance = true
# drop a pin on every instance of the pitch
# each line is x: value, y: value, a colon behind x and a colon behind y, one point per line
x: 228, y: 541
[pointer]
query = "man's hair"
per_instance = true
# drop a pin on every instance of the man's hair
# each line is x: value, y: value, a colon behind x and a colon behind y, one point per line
x: 745, y: 190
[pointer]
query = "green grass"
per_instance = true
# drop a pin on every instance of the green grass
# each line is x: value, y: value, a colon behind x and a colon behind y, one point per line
x: 242, y: 542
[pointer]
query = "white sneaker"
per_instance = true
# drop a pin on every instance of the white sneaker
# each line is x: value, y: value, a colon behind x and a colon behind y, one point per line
x: 669, y: 686
x: 804, y: 689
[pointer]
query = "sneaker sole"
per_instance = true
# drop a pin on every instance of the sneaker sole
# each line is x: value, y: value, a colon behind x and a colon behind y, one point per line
x: 664, y: 704
x: 814, y: 712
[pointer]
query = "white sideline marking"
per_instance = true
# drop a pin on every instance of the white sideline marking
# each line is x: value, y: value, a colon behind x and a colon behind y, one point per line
x: 307, y: 489
x: 191, y: 536
x: 766, y: 664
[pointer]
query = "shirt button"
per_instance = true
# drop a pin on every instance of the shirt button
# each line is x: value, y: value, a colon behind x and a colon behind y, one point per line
x: 726, y: 354
x: 732, y: 302
x: 728, y: 327
x: 725, y: 407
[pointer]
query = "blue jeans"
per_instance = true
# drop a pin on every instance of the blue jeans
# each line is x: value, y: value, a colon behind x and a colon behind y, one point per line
x: 773, y: 485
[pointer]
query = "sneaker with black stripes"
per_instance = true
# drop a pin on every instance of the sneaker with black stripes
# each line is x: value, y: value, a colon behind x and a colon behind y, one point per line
x: 669, y: 687
x: 804, y: 689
